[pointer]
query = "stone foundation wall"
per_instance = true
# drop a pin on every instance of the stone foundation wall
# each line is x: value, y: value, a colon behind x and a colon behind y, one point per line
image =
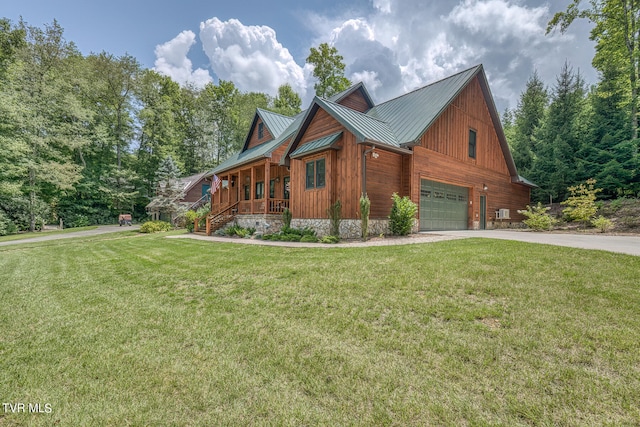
x: 262, y: 223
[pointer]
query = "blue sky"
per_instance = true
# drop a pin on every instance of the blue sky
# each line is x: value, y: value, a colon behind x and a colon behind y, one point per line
x: 394, y: 46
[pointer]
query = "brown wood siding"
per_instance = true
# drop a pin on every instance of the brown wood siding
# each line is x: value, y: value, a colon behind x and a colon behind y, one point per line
x: 501, y: 192
x: 356, y: 101
x: 311, y: 203
x: 254, y: 141
x: 343, y: 181
x: 444, y: 157
x: 348, y: 175
x: 384, y: 177
x: 323, y: 124
x: 449, y: 135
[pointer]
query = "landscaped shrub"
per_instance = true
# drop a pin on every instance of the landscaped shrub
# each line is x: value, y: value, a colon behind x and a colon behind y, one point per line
x: 537, y: 217
x: 286, y: 218
x: 236, y: 230
x: 190, y: 219
x: 334, y: 212
x: 603, y: 224
x: 365, y: 210
x: 6, y: 225
x: 288, y: 234
x: 403, y: 212
x: 329, y: 239
x: 155, y: 227
x: 309, y: 239
x: 581, y: 205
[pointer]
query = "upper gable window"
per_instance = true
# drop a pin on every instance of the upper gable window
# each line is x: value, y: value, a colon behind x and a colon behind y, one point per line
x: 472, y: 143
x: 260, y: 130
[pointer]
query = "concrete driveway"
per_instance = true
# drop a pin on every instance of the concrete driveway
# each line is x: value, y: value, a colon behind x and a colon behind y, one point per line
x: 103, y: 229
x: 622, y: 244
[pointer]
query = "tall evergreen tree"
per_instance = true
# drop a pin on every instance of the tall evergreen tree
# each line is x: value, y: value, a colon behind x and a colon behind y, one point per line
x: 527, y: 120
x: 555, y: 166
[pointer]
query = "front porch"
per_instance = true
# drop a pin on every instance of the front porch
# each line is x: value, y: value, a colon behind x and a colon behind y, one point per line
x: 261, y: 188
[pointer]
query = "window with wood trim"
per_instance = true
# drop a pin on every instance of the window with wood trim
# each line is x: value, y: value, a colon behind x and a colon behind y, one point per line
x: 260, y: 130
x: 260, y: 190
x: 472, y: 143
x: 315, y: 174
x: 272, y: 189
x: 247, y: 192
x: 287, y: 187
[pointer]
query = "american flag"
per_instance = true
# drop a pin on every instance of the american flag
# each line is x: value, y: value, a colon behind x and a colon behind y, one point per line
x: 215, y: 184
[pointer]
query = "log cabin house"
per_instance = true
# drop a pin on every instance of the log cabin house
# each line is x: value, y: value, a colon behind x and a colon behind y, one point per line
x: 442, y: 145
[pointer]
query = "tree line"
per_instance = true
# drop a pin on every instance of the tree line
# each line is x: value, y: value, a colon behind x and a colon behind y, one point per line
x: 565, y: 134
x: 81, y: 137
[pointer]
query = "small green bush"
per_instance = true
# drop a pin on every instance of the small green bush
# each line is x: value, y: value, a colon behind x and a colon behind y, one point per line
x: 79, y: 221
x: 581, y: 205
x: 365, y: 210
x: 236, y: 230
x: 309, y: 239
x: 603, y: 224
x: 329, y: 239
x: 286, y: 218
x: 537, y: 217
x: 403, y: 212
x: 155, y: 227
x: 190, y: 219
x: 334, y: 212
x: 6, y: 225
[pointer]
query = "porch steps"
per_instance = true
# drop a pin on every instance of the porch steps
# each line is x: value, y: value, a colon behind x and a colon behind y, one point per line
x: 219, y: 221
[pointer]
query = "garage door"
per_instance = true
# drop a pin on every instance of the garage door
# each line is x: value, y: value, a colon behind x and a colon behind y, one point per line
x: 443, y: 206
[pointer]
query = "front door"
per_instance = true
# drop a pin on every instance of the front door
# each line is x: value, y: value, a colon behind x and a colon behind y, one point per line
x: 483, y: 212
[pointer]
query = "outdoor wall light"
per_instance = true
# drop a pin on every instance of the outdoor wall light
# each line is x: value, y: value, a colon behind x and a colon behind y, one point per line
x: 375, y: 155
x: 484, y: 187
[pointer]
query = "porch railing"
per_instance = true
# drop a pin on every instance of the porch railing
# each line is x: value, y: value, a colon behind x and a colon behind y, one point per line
x: 277, y: 206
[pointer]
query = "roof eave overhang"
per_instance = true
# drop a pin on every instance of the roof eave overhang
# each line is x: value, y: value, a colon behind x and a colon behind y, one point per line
x: 386, y: 146
x: 242, y: 163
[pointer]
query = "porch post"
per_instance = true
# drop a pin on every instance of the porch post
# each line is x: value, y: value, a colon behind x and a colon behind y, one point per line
x: 267, y: 185
x: 252, y: 194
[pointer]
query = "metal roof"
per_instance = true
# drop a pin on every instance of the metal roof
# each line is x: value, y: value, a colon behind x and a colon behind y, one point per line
x: 358, y: 86
x: 316, y: 145
x: 410, y: 115
x: 276, y: 123
x: 259, y: 151
x: 363, y: 126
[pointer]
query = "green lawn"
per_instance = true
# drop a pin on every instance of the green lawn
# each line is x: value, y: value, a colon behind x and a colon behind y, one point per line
x: 30, y: 235
x: 143, y: 330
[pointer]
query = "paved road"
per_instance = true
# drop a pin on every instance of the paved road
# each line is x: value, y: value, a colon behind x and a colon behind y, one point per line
x: 103, y: 229
x: 621, y: 244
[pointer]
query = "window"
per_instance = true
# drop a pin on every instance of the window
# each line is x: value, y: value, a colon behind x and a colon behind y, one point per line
x: 272, y: 189
x: 315, y: 174
x: 247, y: 192
x: 286, y: 187
x: 260, y: 190
x: 320, y: 173
x: 472, y: 143
x: 260, y: 130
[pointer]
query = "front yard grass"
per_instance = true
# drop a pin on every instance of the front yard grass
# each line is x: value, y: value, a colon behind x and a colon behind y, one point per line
x: 156, y: 331
x: 30, y: 235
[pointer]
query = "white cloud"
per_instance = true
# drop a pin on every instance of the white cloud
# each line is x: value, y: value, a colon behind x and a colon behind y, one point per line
x: 172, y: 61
x: 407, y: 44
x: 500, y: 19
x: 250, y: 56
